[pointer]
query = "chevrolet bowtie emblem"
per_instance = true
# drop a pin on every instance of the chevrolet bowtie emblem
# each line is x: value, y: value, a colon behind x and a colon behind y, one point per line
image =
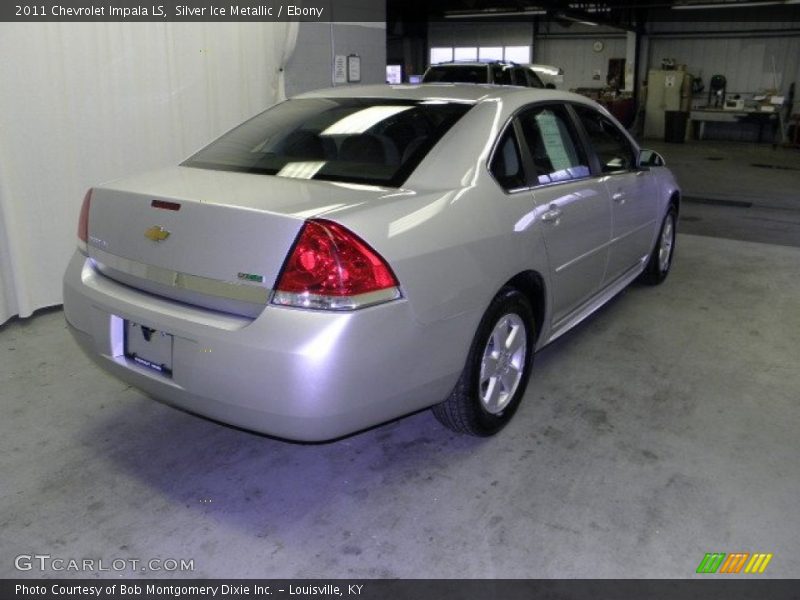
x: 156, y: 233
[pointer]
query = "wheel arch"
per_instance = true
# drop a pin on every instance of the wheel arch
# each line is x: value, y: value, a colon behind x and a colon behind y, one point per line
x: 531, y: 284
x: 675, y: 200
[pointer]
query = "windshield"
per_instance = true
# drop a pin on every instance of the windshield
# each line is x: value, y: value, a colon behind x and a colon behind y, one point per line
x: 359, y: 140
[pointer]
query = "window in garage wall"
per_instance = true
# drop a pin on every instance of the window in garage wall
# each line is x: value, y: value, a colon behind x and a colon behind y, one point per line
x: 465, y: 53
x: 440, y: 55
x: 517, y: 54
x: 509, y: 40
x: 490, y: 53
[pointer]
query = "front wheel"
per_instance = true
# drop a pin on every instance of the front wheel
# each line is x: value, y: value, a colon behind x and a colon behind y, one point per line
x: 497, y: 371
x: 660, y: 261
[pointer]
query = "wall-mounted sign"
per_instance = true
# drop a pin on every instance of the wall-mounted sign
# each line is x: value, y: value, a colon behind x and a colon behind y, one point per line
x: 353, y: 68
x: 394, y: 74
x: 339, y: 69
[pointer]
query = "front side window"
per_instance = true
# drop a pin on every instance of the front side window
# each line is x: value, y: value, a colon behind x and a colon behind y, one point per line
x: 552, y: 144
x: 519, y: 77
x: 501, y: 75
x: 611, y: 145
x: 525, y: 77
x: 535, y: 80
x: 358, y: 140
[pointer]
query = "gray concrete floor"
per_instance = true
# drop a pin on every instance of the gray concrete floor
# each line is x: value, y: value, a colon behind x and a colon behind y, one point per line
x: 737, y: 190
x: 664, y: 427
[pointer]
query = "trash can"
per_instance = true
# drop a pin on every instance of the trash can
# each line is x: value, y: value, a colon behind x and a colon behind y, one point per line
x: 675, y: 122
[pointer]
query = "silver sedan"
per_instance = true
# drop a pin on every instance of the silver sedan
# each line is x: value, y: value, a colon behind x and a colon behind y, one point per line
x: 353, y: 255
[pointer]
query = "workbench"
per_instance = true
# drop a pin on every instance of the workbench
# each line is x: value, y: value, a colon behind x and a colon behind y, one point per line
x: 700, y: 116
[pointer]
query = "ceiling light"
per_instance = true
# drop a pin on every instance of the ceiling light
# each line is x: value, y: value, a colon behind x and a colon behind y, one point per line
x: 590, y: 9
x: 577, y: 20
x: 494, y: 12
x: 301, y: 169
x: 711, y: 5
x: 362, y: 120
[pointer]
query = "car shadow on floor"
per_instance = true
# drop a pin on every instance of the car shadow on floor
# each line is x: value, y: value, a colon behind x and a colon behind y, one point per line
x: 260, y: 484
x: 265, y: 486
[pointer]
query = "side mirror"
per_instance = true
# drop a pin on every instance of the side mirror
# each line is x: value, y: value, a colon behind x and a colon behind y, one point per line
x: 650, y: 158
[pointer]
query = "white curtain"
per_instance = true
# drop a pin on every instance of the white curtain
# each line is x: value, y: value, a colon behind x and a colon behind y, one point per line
x: 83, y: 103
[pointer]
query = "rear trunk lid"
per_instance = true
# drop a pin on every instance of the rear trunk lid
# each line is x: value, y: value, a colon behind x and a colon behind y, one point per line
x: 212, y: 238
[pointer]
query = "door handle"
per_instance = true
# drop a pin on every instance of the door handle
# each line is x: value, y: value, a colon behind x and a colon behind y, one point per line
x: 618, y: 197
x: 551, y: 215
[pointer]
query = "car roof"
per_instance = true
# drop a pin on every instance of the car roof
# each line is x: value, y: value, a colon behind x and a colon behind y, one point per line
x: 451, y: 92
x: 544, y: 68
x: 474, y: 63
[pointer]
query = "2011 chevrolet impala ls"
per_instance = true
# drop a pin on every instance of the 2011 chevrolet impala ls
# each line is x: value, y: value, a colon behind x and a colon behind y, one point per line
x: 353, y: 255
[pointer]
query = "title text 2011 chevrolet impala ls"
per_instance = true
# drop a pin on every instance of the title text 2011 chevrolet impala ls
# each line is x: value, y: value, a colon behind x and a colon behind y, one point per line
x: 353, y: 255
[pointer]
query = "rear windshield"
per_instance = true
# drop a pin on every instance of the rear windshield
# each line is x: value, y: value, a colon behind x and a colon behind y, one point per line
x: 457, y: 73
x: 358, y: 140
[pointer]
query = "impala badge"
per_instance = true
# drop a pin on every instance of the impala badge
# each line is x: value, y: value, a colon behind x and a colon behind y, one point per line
x: 156, y: 233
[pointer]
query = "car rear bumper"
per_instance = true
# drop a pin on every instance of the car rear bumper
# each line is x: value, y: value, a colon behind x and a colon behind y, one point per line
x: 296, y: 374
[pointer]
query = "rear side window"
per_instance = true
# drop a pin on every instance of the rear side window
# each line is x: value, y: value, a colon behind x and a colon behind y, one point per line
x: 609, y: 143
x: 552, y: 144
x: 457, y: 74
x: 359, y: 140
x: 506, y: 165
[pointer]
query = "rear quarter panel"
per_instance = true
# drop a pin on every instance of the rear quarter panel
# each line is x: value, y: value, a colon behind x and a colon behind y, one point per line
x: 453, y: 237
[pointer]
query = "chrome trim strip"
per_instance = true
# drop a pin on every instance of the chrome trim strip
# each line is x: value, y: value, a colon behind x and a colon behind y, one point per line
x: 242, y: 292
x: 597, y: 301
x: 315, y: 301
x: 577, y: 259
x: 650, y: 223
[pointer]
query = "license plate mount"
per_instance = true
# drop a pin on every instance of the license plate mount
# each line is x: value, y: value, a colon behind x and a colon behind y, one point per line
x: 149, y: 347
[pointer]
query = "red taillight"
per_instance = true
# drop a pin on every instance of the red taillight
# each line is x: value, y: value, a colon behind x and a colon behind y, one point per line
x: 330, y: 267
x: 83, y: 221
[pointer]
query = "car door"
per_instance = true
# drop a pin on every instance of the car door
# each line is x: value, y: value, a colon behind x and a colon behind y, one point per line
x: 575, y: 211
x: 632, y: 190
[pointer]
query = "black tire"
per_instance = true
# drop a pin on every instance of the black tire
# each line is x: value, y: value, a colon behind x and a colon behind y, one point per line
x: 464, y: 411
x: 658, y: 266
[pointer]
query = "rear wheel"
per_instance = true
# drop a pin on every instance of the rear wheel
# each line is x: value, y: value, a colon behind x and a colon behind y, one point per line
x: 497, y: 371
x: 660, y: 261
